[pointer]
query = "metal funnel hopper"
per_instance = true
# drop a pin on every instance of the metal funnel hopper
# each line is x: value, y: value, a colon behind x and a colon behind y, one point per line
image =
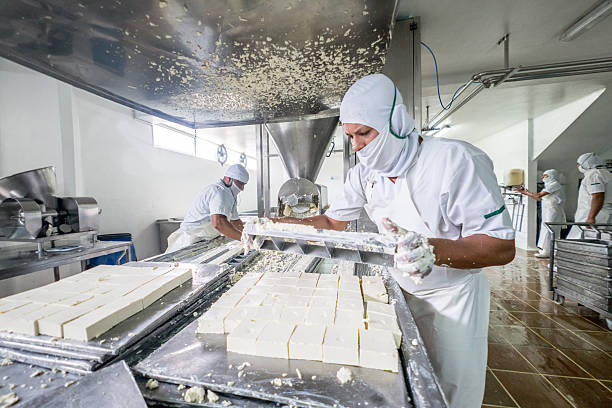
x: 302, y: 144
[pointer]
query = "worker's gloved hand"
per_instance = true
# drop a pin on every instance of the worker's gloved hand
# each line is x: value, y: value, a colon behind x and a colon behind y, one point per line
x: 414, y: 255
x: 249, y: 243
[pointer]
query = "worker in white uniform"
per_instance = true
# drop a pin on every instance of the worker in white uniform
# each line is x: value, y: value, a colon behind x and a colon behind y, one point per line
x: 214, y: 211
x: 441, y: 198
x: 595, y: 194
x: 552, y: 198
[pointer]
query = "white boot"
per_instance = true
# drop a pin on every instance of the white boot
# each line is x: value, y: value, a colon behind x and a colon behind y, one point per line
x: 542, y: 254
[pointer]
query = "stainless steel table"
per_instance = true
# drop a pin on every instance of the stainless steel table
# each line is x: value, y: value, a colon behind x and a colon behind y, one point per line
x: 21, y: 260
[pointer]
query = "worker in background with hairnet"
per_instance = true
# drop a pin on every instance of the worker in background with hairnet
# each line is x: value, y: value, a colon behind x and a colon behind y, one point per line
x: 553, y: 200
x: 595, y: 194
x: 439, y: 200
x: 214, y: 212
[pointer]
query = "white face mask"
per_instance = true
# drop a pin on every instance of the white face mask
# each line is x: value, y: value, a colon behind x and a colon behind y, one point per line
x: 581, y: 169
x: 235, y: 189
x: 382, y: 153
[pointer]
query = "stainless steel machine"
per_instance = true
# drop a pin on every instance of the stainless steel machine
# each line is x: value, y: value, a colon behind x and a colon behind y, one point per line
x: 29, y: 208
x: 302, y: 146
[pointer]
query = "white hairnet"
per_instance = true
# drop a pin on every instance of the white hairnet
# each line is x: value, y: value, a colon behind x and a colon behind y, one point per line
x: 589, y: 161
x: 238, y: 172
x: 553, y: 175
x: 370, y: 102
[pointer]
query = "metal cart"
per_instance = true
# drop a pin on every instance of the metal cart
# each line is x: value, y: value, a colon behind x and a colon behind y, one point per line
x: 583, y: 268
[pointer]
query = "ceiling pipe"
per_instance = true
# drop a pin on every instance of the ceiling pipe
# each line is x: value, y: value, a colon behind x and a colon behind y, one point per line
x: 486, y: 79
x: 587, y: 21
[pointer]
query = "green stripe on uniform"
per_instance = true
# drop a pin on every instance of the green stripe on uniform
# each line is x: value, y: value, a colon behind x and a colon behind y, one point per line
x: 491, y: 214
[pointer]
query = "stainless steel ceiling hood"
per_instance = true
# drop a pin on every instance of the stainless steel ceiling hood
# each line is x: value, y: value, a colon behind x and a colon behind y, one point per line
x: 203, y: 63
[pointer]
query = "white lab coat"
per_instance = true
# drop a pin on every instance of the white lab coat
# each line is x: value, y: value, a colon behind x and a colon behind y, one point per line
x: 594, y: 181
x: 450, y: 192
x: 552, y: 211
x: 216, y: 198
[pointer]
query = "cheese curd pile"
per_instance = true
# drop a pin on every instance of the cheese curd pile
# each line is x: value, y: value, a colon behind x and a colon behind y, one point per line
x: 323, y: 317
x: 88, y: 304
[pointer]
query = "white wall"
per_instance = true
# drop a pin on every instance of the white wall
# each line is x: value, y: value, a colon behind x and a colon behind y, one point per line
x: 98, y: 150
x: 509, y: 149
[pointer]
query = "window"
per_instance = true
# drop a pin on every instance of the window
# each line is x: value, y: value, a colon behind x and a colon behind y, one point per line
x: 181, y: 141
x: 174, y: 140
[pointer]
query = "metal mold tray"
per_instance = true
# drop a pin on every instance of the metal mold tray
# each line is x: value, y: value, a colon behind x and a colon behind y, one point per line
x: 192, y: 359
x: 601, y: 288
x: 585, y: 257
x: 111, y: 387
x: 584, y: 300
x: 576, y: 274
x: 590, y: 246
x: 75, y: 355
x: 601, y: 302
x: 595, y: 270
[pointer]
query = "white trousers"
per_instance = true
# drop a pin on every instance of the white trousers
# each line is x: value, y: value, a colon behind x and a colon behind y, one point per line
x: 180, y: 239
x: 453, y: 323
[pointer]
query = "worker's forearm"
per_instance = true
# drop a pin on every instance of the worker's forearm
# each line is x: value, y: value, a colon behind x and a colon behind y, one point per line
x: 476, y: 251
x: 597, y: 202
x: 226, y: 228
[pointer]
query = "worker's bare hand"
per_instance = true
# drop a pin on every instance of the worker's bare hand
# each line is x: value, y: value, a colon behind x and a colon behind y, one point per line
x: 414, y: 255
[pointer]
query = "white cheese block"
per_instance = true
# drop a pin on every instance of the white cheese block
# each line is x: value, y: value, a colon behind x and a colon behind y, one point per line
x: 257, y: 290
x: 310, y: 276
x: 353, y: 318
x: 74, y: 299
x: 295, y: 315
x: 328, y: 284
x: 377, y: 350
x: 273, y: 341
x: 268, y: 281
x: 281, y: 289
x: 252, y: 300
x: 8, y: 319
x: 275, y: 299
x: 350, y: 284
x: 27, y: 323
x: 306, y: 343
x: 377, y: 308
x: 228, y: 300
x: 323, y: 316
x: 341, y: 345
x: 298, y: 301
x: 328, y: 277
x: 327, y: 302
x: 53, y: 325
x: 306, y: 283
x: 8, y: 305
x: 157, y: 288
x: 102, y: 319
x: 267, y: 313
x: 386, y: 323
x: 325, y: 292
x: 255, y: 276
x: 243, y: 338
x: 354, y: 304
x: 212, y: 320
x: 374, y: 289
x: 288, y: 280
x: 237, y: 316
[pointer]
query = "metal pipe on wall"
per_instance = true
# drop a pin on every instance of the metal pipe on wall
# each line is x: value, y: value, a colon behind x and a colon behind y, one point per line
x: 263, y: 171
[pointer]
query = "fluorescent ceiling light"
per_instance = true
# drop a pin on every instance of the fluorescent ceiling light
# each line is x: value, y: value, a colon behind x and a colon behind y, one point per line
x: 586, y: 22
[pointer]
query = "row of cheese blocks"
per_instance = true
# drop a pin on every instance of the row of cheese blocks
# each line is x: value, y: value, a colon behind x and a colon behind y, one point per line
x: 258, y: 308
x: 88, y: 304
x: 337, y: 344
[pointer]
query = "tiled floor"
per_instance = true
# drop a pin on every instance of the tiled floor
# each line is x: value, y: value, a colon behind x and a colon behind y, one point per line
x: 542, y: 354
